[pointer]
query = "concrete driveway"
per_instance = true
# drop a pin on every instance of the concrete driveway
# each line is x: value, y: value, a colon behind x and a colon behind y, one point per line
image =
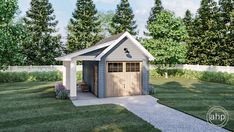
x: 160, y: 116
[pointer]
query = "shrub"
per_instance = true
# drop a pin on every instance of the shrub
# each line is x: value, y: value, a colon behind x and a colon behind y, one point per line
x: 61, y: 92
x: 218, y: 77
x: 78, y: 76
x: 8, y: 77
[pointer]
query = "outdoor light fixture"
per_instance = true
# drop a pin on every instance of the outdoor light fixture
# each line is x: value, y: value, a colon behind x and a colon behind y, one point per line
x: 126, y: 51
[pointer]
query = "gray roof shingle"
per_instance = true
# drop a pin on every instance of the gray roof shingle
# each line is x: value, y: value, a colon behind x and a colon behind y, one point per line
x: 111, y: 38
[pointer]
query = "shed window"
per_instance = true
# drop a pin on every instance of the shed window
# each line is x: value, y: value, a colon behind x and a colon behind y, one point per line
x: 132, y: 67
x: 115, y: 67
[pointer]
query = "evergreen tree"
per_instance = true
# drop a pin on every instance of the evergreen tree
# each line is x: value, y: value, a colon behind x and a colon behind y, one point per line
x: 156, y: 10
x: 106, y: 18
x: 204, y: 41
x: 226, y: 9
x: 123, y: 20
x: 84, y: 29
x: 7, y: 11
x: 231, y: 39
x: 44, y: 45
x: 226, y: 50
x: 188, y: 21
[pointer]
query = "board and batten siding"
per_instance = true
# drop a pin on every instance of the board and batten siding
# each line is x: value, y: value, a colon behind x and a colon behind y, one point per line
x: 118, y: 54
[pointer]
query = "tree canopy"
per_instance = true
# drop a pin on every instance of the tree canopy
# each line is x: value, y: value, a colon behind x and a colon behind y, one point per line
x: 106, y: 19
x: 167, y: 42
x: 45, y: 42
x: 84, y: 29
x: 12, y: 35
x: 8, y: 9
x: 123, y: 20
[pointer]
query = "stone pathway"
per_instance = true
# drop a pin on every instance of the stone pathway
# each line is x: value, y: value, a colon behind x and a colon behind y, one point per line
x: 160, y: 116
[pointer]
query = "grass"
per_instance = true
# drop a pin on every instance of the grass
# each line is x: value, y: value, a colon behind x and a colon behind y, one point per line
x: 31, y: 106
x: 195, y: 97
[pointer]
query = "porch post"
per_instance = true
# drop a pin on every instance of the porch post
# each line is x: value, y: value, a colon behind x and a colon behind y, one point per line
x: 66, y: 74
x: 73, y: 87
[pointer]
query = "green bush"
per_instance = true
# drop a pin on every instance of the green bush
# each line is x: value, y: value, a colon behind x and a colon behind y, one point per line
x: 78, y: 76
x: 218, y: 77
x: 8, y: 77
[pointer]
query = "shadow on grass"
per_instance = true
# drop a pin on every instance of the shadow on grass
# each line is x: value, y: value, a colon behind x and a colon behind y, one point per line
x: 196, y: 97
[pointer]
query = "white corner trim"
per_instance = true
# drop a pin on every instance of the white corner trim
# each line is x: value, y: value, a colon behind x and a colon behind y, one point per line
x: 128, y: 35
x: 142, y: 48
x: 110, y: 47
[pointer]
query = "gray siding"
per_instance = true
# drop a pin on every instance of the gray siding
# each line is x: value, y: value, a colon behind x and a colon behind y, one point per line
x: 102, y: 79
x: 118, y: 53
x: 88, y: 72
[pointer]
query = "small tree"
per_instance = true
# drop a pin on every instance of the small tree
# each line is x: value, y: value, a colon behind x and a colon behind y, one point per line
x: 84, y: 29
x: 123, y: 20
x: 167, y: 42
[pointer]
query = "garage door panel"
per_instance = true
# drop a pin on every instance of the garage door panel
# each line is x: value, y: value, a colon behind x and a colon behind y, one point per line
x: 123, y: 83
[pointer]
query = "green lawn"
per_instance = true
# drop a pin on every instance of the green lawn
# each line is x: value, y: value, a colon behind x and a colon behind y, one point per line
x: 31, y: 106
x: 195, y: 97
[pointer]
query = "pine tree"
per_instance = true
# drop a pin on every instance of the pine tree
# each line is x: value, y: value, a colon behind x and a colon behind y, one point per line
x: 84, y: 29
x: 45, y: 44
x: 123, y: 20
x: 188, y: 21
x: 226, y: 27
x: 155, y: 11
x: 7, y: 11
x: 226, y: 9
x: 204, y: 41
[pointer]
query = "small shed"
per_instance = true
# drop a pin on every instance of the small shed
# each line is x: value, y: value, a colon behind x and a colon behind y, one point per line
x: 115, y: 66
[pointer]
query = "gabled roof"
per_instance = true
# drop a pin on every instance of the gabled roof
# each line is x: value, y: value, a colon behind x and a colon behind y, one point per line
x: 111, y: 38
x: 105, y: 44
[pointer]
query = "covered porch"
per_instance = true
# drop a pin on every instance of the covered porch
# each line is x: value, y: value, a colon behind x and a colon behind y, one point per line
x: 89, y: 76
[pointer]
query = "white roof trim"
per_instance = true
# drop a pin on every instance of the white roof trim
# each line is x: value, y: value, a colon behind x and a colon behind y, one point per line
x: 128, y: 35
x: 69, y: 57
x: 111, y: 45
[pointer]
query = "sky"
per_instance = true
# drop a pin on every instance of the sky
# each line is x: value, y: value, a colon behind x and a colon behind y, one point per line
x: 141, y: 8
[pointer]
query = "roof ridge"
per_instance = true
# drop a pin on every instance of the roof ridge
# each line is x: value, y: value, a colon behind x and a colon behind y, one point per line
x: 110, y: 38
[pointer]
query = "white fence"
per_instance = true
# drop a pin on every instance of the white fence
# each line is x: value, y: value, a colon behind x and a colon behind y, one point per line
x: 38, y: 68
x: 228, y: 69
